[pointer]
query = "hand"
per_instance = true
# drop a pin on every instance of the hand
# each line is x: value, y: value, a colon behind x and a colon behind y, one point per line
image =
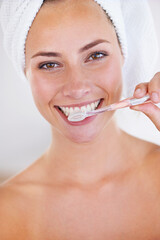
x: 149, y: 109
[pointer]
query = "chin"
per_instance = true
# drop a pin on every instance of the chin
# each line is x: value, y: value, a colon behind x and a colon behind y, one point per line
x: 87, y: 135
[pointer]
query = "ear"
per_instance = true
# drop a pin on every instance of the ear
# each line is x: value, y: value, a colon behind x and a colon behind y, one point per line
x: 121, y: 53
x: 26, y: 73
x: 122, y: 57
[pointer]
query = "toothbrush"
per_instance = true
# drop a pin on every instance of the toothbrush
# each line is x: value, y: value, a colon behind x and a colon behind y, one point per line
x: 79, y: 116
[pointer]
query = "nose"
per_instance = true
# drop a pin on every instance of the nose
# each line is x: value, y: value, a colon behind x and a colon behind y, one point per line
x: 76, y: 90
x: 76, y: 87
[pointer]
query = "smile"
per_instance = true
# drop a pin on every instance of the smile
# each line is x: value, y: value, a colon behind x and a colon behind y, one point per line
x: 88, y: 107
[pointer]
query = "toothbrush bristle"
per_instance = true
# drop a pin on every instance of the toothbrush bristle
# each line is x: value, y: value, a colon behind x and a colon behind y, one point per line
x: 76, y: 117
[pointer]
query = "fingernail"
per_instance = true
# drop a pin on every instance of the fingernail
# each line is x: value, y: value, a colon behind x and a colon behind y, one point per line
x: 138, y: 91
x: 155, y: 97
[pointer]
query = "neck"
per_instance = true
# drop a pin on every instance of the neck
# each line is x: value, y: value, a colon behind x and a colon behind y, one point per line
x: 88, y: 162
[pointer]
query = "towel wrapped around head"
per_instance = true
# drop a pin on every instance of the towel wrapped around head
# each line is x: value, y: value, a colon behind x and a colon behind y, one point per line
x: 133, y: 23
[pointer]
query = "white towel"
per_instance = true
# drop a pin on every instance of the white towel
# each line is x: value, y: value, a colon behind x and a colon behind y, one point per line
x: 133, y: 23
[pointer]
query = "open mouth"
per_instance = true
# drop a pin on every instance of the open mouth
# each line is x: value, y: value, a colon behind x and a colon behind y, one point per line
x: 89, y: 107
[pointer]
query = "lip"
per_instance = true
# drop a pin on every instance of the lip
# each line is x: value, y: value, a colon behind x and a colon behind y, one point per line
x: 80, y: 123
x: 79, y: 104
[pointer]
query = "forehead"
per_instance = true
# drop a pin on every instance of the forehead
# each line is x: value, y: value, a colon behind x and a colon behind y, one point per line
x: 68, y: 19
x: 58, y: 13
x: 65, y: 5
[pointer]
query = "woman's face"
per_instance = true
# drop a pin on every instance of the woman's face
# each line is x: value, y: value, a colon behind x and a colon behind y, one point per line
x: 73, y: 59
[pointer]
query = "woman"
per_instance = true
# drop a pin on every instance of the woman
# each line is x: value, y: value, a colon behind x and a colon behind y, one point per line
x: 94, y: 181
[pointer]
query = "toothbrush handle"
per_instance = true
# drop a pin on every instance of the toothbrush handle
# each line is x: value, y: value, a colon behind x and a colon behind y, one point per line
x: 122, y: 104
x: 137, y: 101
x: 130, y: 102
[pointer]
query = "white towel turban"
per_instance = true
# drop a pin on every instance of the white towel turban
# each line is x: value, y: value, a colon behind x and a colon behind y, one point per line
x: 132, y: 20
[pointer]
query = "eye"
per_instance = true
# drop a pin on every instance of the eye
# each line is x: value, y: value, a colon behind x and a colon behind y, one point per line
x: 97, y: 56
x: 49, y: 66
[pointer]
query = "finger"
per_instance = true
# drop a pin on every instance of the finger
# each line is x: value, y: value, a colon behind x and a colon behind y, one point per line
x: 151, y: 111
x: 154, y: 88
x: 141, y: 90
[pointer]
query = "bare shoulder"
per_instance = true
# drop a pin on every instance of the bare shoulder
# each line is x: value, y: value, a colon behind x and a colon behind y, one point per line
x: 9, y: 212
x: 151, y: 160
x: 152, y: 163
x: 15, y: 197
x: 140, y: 148
x: 150, y: 173
x: 18, y: 200
x: 155, y: 154
x: 147, y: 156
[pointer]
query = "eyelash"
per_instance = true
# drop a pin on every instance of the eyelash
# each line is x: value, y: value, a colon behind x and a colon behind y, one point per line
x: 43, y: 66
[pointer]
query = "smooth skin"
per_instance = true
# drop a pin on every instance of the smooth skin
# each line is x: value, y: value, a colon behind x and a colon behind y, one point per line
x: 95, y: 182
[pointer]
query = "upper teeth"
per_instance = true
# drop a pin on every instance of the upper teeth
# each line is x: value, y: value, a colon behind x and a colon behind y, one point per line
x: 67, y: 110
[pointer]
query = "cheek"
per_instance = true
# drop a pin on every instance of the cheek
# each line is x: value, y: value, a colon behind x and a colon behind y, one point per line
x: 111, y: 78
x: 43, y: 90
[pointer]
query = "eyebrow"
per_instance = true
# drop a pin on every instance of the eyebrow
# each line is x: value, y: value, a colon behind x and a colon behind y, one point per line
x: 85, y: 48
